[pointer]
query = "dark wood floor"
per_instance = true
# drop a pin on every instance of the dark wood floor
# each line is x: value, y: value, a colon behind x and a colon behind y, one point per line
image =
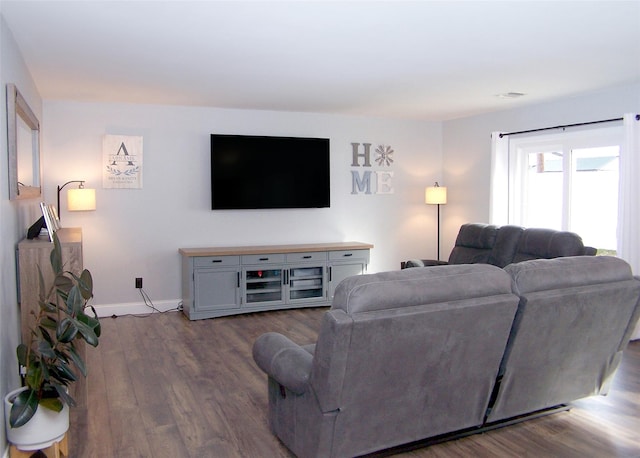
x: 163, y: 386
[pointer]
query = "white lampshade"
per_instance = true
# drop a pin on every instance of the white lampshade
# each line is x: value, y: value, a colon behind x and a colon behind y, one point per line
x: 435, y: 195
x: 81, y: 199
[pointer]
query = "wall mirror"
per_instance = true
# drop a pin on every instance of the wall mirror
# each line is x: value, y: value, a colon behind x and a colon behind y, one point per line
x: 23, y: 140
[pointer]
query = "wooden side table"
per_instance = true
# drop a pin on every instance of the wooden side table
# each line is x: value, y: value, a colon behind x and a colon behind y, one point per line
x: 56, y: 450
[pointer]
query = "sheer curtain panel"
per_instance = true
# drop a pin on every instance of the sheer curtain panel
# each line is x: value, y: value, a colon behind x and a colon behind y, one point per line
x: 628, y: 233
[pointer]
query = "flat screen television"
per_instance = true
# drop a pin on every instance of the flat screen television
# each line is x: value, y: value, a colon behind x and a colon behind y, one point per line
x: 260, y: 172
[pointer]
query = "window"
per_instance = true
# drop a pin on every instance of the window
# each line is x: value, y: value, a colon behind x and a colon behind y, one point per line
x: 567, y: 181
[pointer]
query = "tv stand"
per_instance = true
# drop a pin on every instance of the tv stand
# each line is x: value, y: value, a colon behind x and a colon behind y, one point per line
x: 221, y: 281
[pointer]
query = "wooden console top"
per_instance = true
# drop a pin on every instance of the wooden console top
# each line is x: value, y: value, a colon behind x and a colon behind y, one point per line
x: 264, y: 249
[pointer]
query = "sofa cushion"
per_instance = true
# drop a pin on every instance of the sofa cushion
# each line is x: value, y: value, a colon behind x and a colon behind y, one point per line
x: 418, y: 286
x: 474, y: 244
x: 507, y: 240
x: 567, y: 272
x: 547, y: 244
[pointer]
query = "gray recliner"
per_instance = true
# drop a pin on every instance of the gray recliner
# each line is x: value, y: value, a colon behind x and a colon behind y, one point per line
x: 400, y: 356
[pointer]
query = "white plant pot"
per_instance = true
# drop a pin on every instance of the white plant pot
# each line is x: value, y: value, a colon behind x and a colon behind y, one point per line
x: 43, y: 430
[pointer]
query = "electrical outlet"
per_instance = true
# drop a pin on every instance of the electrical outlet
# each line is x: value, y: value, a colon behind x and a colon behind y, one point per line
x: 139, y: 282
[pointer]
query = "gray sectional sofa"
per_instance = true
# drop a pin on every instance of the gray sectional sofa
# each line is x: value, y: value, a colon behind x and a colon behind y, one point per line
x: 418, y: 353
x: 500, y: 246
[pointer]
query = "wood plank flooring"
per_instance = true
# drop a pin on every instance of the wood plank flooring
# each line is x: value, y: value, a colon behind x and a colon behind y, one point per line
x: 163, y: 386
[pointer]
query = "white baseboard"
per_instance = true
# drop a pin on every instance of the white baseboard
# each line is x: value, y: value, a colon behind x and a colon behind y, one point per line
x: 136, y: 308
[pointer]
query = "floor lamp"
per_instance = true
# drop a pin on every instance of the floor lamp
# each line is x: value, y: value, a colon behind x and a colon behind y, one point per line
x: 436, y: 195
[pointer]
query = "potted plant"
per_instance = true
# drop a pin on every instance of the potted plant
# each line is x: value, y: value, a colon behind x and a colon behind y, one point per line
x: 48, y: 358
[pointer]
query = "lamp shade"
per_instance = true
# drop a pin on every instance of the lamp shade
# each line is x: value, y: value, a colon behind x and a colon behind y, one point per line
x: 81, y: 199
x: 435, y: 195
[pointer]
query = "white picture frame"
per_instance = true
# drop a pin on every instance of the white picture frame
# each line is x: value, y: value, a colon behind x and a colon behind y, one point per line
x: 48, y: 220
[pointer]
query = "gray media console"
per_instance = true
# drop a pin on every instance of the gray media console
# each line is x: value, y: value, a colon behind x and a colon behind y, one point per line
x: 221, y: 281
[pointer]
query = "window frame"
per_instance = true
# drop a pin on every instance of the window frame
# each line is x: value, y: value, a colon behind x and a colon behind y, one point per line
x: 563, y: 142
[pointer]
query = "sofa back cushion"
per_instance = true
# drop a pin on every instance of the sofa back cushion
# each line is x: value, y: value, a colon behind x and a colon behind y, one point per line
x: 411, y: 354
x: 478, y: 243
x: 575, y: 317
x: 547, y: 244
x: 507, y: 242
x: 474, y: 244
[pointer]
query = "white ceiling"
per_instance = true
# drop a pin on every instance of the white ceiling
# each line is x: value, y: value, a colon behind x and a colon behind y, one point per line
x: 431, y: 60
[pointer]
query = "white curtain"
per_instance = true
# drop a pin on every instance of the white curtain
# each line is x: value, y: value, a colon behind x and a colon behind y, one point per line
x: 629, y: 198
x: 499, y: 193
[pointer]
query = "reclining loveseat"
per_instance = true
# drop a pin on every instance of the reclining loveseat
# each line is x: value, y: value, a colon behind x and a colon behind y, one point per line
x: 418, y: 353
x: 478, y: 243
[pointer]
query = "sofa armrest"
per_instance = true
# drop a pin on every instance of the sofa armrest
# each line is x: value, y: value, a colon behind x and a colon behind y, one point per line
x: 424, y: 263
x: 283, y: 360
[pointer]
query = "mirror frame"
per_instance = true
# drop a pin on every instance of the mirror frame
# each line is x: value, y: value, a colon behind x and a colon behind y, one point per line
x: 17, y: 106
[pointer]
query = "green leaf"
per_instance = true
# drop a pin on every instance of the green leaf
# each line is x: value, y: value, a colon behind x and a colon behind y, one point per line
x: 49, y: 322
x: 63, y: 372
x: 92, y: 322
x: 66, y: 330
x: 87, y: 334
x: 45, y: 349
x: 56, y: 255
x: 54, y: 404
x: 64, y: 395
x: 77, y: 360
x: 23, y: 408
x: 48, y: 307
x: 34, y: 376
x: 63, y: 284
x: 21, y: 352
x: 61, y: 353
x: 45, y: 373
x: 75, y: 304
x: 86, y: 284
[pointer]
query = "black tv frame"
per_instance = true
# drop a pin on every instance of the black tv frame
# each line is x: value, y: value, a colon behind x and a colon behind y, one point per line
x: 257, y: 172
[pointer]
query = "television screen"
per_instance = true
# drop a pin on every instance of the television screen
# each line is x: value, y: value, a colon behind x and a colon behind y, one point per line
x: 259, y: 172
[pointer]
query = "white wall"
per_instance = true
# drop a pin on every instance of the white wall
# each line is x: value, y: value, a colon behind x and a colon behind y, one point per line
x: 15, y: 217
x: 467, y: 147
x: 137, y: 233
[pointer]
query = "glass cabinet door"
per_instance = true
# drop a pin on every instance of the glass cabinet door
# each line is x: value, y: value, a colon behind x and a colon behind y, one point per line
x: 263, y: 285
x: 306, y: 282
